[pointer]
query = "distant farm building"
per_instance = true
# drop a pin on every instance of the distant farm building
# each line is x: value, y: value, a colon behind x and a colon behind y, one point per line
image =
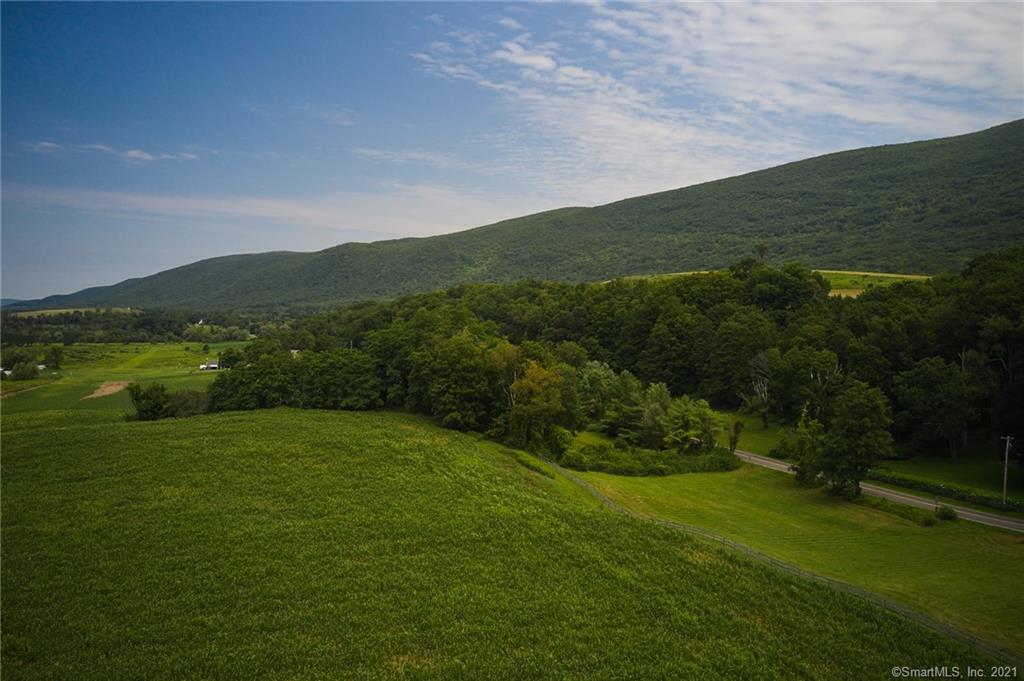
x: 209, y: 366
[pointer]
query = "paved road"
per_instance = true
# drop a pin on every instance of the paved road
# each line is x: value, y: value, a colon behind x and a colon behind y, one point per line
x: 993, y: 519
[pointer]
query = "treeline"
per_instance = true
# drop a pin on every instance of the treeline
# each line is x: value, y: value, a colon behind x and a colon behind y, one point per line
x: 457, y: 369
x: 119, y: 326
x: 935, y: 361
x: 925, y: 362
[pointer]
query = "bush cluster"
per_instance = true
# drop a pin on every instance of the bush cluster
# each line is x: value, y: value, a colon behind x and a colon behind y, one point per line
x: 946, y: 490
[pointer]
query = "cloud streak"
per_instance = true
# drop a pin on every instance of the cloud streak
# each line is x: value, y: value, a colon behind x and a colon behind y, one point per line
x: 129, y: 155
x: 629, y: 99
x: 393, y: 210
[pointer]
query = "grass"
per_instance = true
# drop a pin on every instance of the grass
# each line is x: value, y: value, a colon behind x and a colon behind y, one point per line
x: 305, y: 544
x: 67, y: 310
x: 851, y: 284
x: 843, y: 282
x: 978, y: 471
x: 10, y: 387
x: 756, y: 437
x: 960, y: 572
x: 87, y: 366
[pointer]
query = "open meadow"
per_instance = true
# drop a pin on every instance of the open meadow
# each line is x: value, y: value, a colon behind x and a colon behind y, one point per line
x: 960, y: 572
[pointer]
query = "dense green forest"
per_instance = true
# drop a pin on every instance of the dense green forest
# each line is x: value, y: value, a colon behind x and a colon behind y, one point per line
x: 923, y: 207
x: 929, y: 364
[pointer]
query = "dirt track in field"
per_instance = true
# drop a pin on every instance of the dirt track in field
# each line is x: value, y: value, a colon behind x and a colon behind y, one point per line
x: 108, y: 388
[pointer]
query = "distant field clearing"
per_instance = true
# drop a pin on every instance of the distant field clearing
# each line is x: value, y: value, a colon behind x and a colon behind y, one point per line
x: 844, y: 283
x: 69, y: 310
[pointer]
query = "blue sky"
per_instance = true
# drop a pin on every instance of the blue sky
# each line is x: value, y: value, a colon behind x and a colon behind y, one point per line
x: 138, y: 137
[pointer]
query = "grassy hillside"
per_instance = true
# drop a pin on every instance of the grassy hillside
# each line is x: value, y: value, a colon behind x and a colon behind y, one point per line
x: 335, y: 545
x: 959, y: 572
x: 918, y: 208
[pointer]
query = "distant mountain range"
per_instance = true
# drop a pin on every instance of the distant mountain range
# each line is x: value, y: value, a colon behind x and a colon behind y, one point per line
x: 921, y: 207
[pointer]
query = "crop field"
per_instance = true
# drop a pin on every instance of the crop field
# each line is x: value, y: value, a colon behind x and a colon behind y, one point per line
x: 959, y: 572
x: 87, y: 366
x: 306, y: 544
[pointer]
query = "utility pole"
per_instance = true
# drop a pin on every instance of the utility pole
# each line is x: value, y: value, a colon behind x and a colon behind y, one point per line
x: 1006, y: 465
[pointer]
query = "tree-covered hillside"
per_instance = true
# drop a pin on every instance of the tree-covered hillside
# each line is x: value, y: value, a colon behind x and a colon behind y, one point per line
x: 922, y: 207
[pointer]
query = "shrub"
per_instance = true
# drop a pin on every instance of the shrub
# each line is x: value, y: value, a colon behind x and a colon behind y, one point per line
x: 23, y: 371
x: 945, y: 490
x: 918, y: 515
x: 557, y: 441
x: 149, y: 401
x: 185, y: 403
x: 946, y: 513
x: 624, y: 460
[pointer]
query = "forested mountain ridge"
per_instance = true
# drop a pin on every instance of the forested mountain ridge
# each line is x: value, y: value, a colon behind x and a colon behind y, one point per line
x: 921, y: 207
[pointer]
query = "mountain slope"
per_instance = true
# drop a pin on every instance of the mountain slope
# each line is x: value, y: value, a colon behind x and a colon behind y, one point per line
x: 919, y: 207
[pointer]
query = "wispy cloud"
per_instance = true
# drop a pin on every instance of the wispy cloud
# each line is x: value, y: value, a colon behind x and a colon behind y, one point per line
x: 416, y: 157
x: 510, y: 23
x: 333, y: 116
x: 126, y: 154
x: 339, y: 116
x: 392, y: 210
x: 627, y: 99
x: 44, y: 147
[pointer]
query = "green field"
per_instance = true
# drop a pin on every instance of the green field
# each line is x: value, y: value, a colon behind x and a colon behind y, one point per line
x: 305, y: 544
x: 87, y: 366
x: 67, y: 310
x: 978, y: 471
x: 756, y: 436
x: 843, y: 282
x: 962, y: 573
x: 852, y: 284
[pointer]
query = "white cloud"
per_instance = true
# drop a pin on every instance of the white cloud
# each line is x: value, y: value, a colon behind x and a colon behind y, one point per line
x: 640, y: 98
x: 392, y: 210
x: 44, y: 147
x: 514, y: 53
x: 128, y: 155
x: 510, y: 23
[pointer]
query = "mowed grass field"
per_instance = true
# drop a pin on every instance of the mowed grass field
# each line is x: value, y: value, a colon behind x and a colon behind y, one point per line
x: 980, y: 470
x: 960, y: 572
x: 852, y: 284
x: 305, y: 544
x: 67, y: 310
x: 87, y: 366
x: 843, y: 282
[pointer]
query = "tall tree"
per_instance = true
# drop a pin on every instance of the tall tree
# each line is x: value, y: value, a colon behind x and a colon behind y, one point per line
x: 857, y: 435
